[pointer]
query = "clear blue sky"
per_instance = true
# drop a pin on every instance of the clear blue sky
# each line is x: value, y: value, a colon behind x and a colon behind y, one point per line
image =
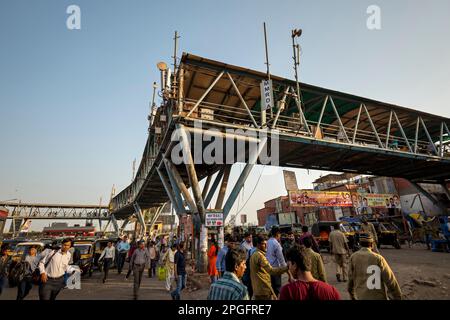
x: 73, y: 103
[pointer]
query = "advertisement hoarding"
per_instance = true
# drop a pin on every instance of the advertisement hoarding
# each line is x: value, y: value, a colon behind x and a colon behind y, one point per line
x: 307, y: 198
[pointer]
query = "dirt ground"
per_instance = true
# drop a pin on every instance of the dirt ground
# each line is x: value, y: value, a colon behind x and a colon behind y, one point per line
x: 422, y: 274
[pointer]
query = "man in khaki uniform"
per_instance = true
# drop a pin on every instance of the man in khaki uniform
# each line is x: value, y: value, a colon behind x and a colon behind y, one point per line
x: 261, y: 270
x: 340, y: 251
x: 370, y: 277
x: 369, y: 228
x: 317, y: 267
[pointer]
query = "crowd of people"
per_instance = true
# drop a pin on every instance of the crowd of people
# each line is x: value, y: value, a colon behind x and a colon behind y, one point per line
x: 51, y: 268
x: 250, y: 268
x: 253, y: 268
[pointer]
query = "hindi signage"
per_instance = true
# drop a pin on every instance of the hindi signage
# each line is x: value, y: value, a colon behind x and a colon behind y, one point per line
x: 214, y: 219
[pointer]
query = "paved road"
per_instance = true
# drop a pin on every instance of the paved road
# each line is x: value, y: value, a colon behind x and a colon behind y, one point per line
x: 115, y: 288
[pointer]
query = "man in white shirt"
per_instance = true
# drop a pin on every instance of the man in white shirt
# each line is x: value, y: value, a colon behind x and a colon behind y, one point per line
x: 108, y: 255
x: 247, y: 244
x: 52, y: 268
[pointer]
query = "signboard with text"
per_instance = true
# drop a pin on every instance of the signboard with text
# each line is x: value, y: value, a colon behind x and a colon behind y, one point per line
x: 266, y: 95
x: 375, y: 200
x: 306, y: 198
x: 214, y: 219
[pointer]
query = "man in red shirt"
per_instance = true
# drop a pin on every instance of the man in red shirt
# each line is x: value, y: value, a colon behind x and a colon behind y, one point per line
x: 303, y: 286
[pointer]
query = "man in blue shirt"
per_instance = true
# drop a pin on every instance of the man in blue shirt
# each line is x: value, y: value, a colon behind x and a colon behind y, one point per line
x: 220, y: 262
x: 123, y: 247
x: 179, y: 272
x: 229, y: 287
x: 275, y: 257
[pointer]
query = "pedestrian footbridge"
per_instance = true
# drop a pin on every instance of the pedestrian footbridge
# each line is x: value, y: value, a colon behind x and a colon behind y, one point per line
x: 312, y: 128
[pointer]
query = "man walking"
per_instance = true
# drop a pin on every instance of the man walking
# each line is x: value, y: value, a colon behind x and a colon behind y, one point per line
x: 138, y: 262
x: 108, y: 255
x: 275, y: 257
x: 317, y: 267
x: 305, y: 286
x: 123, y: 247
x: 229, y: 287
x: 340, y: 251
x: 369, y: 228
x: 153, y: 254
x: 180, y: 272
x: 261, y: 271
x: 370, y: 277
x: 52, y: 268
x: 32, y: 261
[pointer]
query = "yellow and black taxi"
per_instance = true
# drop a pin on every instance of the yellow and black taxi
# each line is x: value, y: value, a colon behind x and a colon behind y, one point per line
x: 22, y: 249
x: 85, y: 248
x: 11, y: 245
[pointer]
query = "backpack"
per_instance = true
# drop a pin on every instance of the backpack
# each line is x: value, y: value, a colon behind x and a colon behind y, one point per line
x: 18, y: 273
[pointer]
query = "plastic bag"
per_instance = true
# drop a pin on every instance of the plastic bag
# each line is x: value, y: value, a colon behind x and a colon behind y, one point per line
x: 161, y: 271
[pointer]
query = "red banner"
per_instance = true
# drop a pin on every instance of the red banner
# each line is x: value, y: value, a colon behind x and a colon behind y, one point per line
x: 3, y: 213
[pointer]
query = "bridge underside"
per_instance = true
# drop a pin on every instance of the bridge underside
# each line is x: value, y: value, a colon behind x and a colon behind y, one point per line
x: 318, y: 129
x: 307, y: 153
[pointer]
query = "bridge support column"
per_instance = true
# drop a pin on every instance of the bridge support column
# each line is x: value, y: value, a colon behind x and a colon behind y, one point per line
x: 115, y: 224
x: 202, y: 257
x: 124, y: 225
x: 140, y: 217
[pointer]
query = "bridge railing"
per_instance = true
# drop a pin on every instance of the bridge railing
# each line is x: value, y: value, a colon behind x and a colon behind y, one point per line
x: 292, y: 124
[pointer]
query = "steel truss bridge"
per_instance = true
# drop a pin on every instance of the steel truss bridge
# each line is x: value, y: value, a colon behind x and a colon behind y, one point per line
x: 317, y: 129
x: 55, y: 211
x: 21, y: 212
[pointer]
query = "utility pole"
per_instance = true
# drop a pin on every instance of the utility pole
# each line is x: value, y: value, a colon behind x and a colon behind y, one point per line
x: 134, y: 170
x: 263, y: 110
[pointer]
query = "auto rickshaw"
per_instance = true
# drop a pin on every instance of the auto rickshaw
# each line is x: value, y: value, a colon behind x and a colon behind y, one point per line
x: 23, y: 248
x: 86, y: 248
x: 387, y: 234
x: 12, y: 244
x: 322, y: 229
